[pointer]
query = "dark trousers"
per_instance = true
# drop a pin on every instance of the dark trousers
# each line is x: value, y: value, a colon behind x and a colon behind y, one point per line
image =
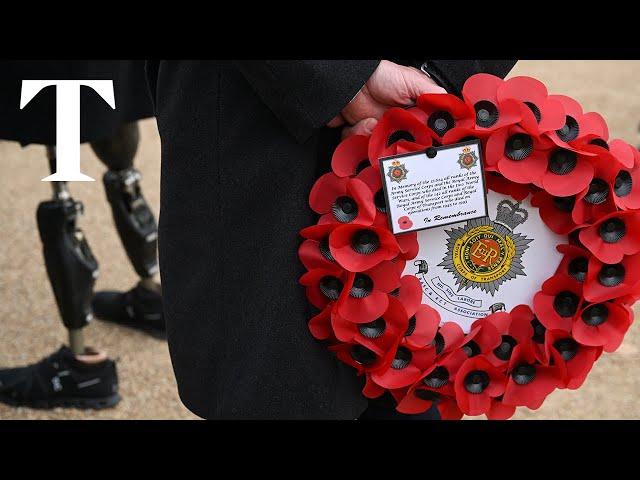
x: 383, y: 408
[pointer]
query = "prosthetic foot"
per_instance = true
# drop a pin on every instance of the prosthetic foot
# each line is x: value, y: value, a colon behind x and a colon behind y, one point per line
x: 140, y: 307
x: 62, y: 379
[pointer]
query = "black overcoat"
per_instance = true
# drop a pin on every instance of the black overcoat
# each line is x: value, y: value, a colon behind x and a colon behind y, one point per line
x: 36, y: 122
x: 242, y: 144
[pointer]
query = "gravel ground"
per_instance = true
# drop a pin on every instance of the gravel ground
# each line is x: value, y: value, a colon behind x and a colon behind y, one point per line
x: 29, y: 324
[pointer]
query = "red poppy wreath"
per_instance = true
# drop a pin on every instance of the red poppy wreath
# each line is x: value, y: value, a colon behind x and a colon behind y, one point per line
x: 564, y: 206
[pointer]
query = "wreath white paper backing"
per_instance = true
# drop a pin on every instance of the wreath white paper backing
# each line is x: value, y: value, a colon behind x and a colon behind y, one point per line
x: 505, y: 284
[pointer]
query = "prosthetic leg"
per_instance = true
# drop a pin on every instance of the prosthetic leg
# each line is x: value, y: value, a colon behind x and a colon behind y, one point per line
x: 71, y: 267
x: 140, y: 307
x: 74, y: 376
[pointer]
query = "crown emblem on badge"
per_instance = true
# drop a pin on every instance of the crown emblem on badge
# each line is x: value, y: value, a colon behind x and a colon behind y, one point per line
x: 485, y: 253
x: 467, y: 158
x: 397, y: 171
x: 510, y: 214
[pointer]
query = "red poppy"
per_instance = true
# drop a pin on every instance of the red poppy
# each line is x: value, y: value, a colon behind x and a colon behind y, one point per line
x: 349, y: 200
x: 351, y: 156
x: 608, y: 281
x: 320, y: 324
x: 364, y: 296
x: 555, y: 212
x: 399, y: 263
x: 602, y: 324
x: 405, y: 223
x: 398, y: 393
x: 497, y: 183
x: 448, y: 337
x: 517, y: 330
x: 574, y: 360
x: 422, y: 118
x: 314, y: 252
x: 371, y: 389
x: 448, y: 409
x: 574, y: 263
x: 484, y: 335
x: 539, y: 112
x: 465, y: 134
x: 409, y: 294
x: 420, y: 400
x: 624, y: 153
x: 616, y: 152
x: 371, y: 177
x: 405, y: 368
x: 529, y: 383
x: 577, y: 124
x: 477, y: 382
x: 327, y: 219
x: 359, y: 357
x: 522, y: 318
x: 597, y: 199
x: 381, y: 220
x: 324, y: 285
x: 626, y: 188
x: 407, y: 241
x: 517, y: 155
x: 567, y: 172
x: 558, y: 302
x: 480, y: 92
x: 319, y: 232
x: 422, y: 328
x: 435, y: 384
x: 403, y: 146
x: 444, y: 112
x: 613, y: 236
x: 379, y: 335
x: 357, y: 248
x: 440, y: 377
x: 397, y: 125
x: 311, y: 256
x: 500, y: 411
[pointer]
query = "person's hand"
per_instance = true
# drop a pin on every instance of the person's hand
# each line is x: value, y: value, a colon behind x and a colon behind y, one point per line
x: 390, y: 85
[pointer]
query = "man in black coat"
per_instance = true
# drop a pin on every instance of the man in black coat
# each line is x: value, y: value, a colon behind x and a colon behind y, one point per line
x: 242, y: 144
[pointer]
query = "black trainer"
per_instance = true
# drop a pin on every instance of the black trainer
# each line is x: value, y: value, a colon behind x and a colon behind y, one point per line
x: 61, y: 380
x: 139, y: 308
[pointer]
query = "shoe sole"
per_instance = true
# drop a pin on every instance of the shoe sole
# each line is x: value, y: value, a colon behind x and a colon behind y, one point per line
x: 69, y: 402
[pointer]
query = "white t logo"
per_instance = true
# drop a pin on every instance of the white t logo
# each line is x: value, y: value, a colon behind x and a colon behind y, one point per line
x: 67, y: 121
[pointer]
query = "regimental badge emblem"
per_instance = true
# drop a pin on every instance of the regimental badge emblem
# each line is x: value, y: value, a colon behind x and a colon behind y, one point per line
x: 468, y: 158
x: 486, y: 253
x: 397, y: 171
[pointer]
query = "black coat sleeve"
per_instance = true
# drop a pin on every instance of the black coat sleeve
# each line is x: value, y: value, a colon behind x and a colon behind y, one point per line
x: 306, y: 94
x: 451, y: 74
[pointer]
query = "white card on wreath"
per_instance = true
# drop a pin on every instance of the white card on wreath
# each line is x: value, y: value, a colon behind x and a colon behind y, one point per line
x: 435, y: 187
